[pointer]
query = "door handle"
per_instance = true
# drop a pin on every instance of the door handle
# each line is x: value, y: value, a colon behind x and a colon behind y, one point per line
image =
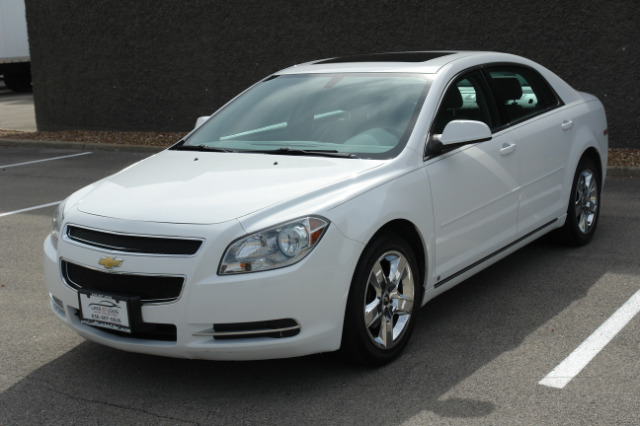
x: 567, y: 124
x: 507, y: 149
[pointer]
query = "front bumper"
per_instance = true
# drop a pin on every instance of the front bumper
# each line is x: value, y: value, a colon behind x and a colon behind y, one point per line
x: 311, y: 293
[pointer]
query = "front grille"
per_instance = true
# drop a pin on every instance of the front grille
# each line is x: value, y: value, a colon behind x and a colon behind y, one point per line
x: 133, y: 244
x: 163, y: 332
x: 150, y: 288
x: 148, y: 331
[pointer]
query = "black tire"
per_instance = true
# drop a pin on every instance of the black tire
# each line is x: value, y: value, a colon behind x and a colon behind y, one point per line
x: 584, y: 205
x: 395, y: 303
x: 18, y: 82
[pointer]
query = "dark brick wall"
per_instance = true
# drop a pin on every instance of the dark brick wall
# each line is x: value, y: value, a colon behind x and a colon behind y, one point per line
x: 158, y: 64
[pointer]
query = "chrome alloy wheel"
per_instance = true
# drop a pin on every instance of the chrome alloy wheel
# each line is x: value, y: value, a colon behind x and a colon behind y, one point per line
x: 388, y: 299
x: 586, y: 201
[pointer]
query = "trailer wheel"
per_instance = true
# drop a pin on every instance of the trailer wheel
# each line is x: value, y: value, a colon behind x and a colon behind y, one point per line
x: 18, y: 82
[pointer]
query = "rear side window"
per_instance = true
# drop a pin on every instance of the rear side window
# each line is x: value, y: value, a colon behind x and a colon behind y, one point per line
x: 520, y: 92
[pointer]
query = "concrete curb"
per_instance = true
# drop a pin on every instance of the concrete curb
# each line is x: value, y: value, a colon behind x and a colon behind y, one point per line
x: 623, y: 172
x: 29, y: 143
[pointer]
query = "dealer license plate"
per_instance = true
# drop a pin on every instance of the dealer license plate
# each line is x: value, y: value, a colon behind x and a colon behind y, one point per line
x: 106, y: 311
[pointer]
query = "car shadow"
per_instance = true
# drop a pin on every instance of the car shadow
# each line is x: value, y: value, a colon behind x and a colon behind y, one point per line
x: 457, y: 334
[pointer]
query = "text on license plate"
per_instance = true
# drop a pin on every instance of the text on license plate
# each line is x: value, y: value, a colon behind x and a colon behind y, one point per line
x: 106, y: 311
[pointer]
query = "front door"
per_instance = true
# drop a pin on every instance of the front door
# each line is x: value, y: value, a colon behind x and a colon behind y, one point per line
x: 475, y: 188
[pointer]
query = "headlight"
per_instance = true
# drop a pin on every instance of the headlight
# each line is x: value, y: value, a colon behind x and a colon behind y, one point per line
x: 56, y: 223
x: 273, y: 248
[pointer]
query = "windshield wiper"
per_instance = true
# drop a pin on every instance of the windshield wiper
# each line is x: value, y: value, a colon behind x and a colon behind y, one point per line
x: 280, y: 151
x: 201, y: 148
x: 309, y: 152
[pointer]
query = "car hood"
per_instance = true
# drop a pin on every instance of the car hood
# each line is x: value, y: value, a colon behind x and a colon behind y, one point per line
x: 207, y: 188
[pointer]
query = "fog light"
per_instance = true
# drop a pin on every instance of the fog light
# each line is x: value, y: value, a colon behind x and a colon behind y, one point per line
x: 57, y: 302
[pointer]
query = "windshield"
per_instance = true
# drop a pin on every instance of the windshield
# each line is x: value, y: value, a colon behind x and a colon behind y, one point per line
x: 355, y: 115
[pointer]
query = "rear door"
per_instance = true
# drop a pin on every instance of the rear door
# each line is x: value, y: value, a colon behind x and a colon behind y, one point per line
x: 527, y: 104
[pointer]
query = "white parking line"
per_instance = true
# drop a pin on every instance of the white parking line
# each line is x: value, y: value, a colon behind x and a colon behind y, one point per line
x: 574, y: 363
x: 40, y: 161
x: 42, y: 206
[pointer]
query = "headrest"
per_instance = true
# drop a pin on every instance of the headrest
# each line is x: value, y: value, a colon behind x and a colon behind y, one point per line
x: 508, y: 87
x: 453, y: 98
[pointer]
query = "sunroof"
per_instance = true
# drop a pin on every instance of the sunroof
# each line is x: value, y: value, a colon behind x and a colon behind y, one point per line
x: 387, y: 57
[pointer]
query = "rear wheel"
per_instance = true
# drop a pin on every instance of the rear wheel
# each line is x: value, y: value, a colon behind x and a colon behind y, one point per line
x: 18, y: 82
x: 384, y: 298
x: 584, y: 205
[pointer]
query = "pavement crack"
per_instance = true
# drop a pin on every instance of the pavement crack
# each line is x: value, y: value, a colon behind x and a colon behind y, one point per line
x: 47, y: 385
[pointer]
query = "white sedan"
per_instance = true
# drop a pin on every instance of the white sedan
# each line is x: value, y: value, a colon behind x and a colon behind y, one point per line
x: 322, y: 207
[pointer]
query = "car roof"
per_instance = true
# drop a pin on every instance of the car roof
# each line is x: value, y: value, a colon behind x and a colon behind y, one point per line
x: 443, y: 62
x: 423, y: 62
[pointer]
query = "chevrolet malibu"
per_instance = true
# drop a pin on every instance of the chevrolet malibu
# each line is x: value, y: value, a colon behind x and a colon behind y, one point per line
x: 322, y: 207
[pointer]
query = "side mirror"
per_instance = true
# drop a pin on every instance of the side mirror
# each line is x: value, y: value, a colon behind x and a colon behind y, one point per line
x: 461, y: 132
x: 201, y: 120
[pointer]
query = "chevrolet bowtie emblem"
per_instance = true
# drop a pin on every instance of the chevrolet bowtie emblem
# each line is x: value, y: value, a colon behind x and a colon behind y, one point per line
x: 110, y: 262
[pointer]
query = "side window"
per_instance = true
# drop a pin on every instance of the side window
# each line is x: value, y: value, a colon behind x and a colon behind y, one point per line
x: 520, y: 92
x: 465, y: 99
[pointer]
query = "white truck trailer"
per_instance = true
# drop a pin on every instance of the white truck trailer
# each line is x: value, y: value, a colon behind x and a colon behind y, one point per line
x: 15, y: 62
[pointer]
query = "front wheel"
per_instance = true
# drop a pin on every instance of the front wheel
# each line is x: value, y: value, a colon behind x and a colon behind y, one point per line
x: 584, y: 205
x: 384, y: 298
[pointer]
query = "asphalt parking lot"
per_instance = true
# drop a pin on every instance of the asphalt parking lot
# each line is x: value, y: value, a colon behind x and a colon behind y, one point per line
x: 481, y: 353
